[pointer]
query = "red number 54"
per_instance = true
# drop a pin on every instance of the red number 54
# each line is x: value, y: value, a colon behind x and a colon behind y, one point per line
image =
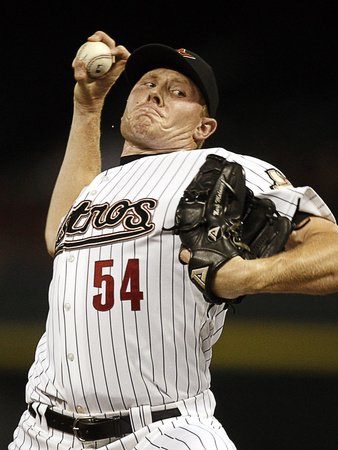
x: 131, y: 279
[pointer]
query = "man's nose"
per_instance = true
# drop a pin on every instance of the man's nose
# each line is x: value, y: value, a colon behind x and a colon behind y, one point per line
x: 155, y: 96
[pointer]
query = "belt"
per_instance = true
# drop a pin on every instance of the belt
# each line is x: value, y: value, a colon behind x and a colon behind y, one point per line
x: 91, y: 429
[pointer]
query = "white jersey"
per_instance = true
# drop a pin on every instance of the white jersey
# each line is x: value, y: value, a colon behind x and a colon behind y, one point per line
x: 126, y: 326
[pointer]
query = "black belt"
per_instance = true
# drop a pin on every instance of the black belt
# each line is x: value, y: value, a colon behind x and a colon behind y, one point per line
x: 91, y: 429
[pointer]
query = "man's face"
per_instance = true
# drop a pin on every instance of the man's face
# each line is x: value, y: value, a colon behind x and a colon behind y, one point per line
x: 163, y: 111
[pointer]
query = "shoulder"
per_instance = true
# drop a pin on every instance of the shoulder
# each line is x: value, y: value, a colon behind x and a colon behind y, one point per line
x: 260, y: 175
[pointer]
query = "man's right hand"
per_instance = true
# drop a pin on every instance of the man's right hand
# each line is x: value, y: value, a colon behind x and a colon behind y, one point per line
x: 89, y: 93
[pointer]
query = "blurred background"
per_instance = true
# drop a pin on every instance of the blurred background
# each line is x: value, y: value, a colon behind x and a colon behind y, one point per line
x: 275, y: 369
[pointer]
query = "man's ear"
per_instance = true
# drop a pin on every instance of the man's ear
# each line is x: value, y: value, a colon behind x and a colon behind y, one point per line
x: 205, y: 129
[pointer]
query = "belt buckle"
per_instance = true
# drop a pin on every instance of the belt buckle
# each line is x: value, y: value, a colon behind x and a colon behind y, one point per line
x: 78, y: 433
x: 77, y: 430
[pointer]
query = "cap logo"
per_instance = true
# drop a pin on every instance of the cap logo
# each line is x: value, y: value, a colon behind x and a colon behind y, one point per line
x: 183, y: 52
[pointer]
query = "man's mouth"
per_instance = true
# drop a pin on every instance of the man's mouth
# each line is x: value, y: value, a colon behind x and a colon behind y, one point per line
x: 151, y: 110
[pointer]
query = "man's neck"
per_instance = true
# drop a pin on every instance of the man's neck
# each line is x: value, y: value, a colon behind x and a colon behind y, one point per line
x: 130, y: 149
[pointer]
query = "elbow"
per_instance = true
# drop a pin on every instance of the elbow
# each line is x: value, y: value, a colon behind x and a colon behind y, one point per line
x: 328, y: 285
x: 330, y: 281
x: 332, y: 284
x: 50, y: 244
x: 50, y: 251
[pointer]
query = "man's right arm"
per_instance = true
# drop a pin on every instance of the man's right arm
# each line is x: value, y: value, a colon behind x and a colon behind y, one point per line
x: 82, y: 160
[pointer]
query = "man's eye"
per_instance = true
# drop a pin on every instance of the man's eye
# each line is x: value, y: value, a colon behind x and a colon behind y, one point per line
x: 150, y: 84
x: 179, y: 93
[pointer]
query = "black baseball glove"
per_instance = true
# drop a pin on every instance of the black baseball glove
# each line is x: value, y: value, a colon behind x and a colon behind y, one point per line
x: 219, y: 218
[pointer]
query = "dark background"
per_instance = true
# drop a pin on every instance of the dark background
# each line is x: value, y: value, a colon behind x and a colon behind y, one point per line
x: 275, y: 63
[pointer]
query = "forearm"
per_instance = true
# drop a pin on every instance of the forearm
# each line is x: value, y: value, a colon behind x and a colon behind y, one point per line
x: 310, y: 267
x: 304, y: 270
x: 82, y: 162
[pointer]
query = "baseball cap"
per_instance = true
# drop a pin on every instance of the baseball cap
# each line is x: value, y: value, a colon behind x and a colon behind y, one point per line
x: 156, y: 56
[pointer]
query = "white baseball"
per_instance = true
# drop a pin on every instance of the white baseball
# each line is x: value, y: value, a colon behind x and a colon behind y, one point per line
x: 97, y: 58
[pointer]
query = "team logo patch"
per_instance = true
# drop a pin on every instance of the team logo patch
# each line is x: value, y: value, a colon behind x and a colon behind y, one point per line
x: 200, y: 275
x: 120, y: 221
x: 183, y: 52
x: 280, y: 182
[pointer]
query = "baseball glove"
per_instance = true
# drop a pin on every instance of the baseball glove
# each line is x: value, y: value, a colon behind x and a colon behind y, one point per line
x: 219, y: 218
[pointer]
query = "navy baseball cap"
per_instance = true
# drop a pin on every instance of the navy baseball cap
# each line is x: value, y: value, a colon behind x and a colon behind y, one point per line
x: 156, y: 56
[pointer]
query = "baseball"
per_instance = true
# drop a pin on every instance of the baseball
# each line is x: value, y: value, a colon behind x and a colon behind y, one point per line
x: 97, y: 58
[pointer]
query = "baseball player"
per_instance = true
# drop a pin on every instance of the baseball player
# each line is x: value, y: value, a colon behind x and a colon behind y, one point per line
x: 124, y: 362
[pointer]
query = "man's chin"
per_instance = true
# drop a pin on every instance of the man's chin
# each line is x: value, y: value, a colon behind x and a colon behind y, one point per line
x: 148, y: 131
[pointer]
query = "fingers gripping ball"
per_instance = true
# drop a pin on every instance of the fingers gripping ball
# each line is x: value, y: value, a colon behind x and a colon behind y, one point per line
x: 97, y: 58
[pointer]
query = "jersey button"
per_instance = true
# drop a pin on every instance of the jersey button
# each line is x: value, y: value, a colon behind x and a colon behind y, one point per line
x: 80, y: 409
x: 93, y: 192
x: 71, y: 258
x: 70, y: 356
x: 68, y: 307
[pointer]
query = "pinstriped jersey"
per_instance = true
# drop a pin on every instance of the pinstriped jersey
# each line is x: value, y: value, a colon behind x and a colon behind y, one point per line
x: 126, y: 327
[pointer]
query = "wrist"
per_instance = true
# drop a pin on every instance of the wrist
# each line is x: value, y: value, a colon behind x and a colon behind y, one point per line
x: 239, y: 277
x: 87, y: 100
x: 90, y: 108
x: 230, y: 280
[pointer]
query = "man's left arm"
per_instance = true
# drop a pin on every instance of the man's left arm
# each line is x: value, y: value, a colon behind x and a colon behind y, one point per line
x: 308, y: 266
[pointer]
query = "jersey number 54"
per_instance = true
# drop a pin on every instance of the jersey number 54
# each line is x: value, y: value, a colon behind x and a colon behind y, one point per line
x: 130, y: 287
